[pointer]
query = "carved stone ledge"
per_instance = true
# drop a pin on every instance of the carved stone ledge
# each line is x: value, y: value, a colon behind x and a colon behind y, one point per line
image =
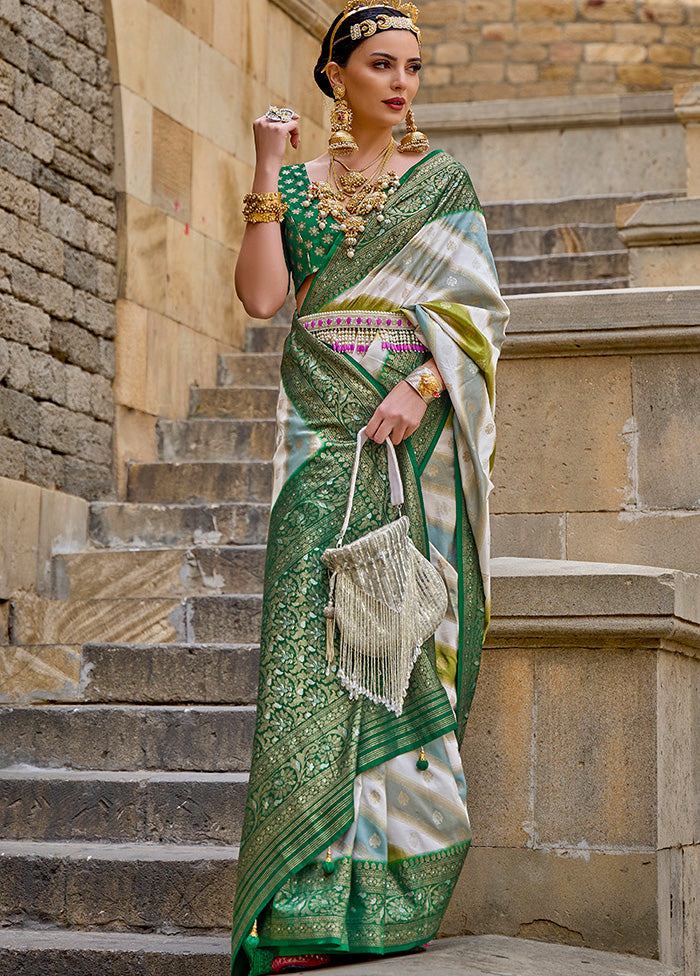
x: 674, y: 221
x: 542, y: 113
x: 315, y: 16
x: 607, y: 322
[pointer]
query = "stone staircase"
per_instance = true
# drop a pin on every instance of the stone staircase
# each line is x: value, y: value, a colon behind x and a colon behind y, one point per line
x: 559, y: 245
x: 121, y: 807
x: 121, y: 804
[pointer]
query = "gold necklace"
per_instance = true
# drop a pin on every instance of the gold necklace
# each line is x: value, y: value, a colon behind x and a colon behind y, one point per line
x: 351, y: 197
x: 391, y: 145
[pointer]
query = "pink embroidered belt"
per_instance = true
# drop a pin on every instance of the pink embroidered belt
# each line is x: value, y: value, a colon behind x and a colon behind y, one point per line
x: 355, y: 330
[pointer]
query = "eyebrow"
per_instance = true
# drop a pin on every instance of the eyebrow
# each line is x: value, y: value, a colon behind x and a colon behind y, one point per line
x: 390, y: 57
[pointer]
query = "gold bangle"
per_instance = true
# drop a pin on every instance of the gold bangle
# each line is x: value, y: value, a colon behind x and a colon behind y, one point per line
x: 263, y: 208
x: 425, y: 383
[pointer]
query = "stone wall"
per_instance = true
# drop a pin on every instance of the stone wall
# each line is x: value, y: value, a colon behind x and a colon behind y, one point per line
x: 494, y: 49
x: 190, y: 79
x: 58, y: 246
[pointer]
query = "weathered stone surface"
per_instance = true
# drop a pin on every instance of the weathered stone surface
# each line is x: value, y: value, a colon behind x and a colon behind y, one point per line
x: 121, y: 886
x: 204, y: 673
x: 532, y: 588
x: 594, y: 704
x: 678, y: 737
x: 497, y: 750
x: 57, y: 143
x: 570, y: 429
x: 602, y: 900
x: 40, y: 621
x: 542, y: 536
x: 116, y: 524
x: 170, y: 737
x: 691, y: 915
x: 223, y: 619
x: 197, y: 481
x: 216, y: 440
x: 124, y: 954
x: 20, y: 507
x: 666, y: 393
x: 158, y: 573
x: 173, y: 808
x: 40, y: 672
x: 114, y: 953
x: 249, y: 370
x: 644, y: 538
x: 242, y: 404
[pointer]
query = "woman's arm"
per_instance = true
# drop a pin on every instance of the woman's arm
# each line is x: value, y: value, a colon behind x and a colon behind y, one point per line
x: 262, y: 278
x: 400, y: 412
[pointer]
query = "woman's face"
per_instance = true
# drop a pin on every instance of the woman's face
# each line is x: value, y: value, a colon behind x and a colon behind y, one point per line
x: 381, y: 77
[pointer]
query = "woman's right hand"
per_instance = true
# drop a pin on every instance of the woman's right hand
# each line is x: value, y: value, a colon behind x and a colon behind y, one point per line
x: 271, y: 140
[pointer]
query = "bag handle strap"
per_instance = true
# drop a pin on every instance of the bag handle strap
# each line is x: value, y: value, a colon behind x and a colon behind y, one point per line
x: 395, y: 483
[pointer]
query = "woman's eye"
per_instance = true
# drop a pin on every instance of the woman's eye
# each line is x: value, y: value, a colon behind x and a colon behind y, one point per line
x: 381, y: 64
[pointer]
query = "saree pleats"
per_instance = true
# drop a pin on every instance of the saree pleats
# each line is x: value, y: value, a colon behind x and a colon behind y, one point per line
x: 329, y: 772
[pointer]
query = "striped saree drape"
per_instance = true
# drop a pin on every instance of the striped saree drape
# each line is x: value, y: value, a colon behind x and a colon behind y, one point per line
x: 348, y: 846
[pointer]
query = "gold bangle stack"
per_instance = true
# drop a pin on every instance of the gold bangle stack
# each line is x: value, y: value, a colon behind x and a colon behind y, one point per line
x: 263, y: 208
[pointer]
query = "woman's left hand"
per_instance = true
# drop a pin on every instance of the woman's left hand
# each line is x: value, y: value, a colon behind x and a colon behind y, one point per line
x: 397, y: 416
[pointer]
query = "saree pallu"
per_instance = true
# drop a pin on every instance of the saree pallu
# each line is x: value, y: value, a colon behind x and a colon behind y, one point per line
x: 347, y: 845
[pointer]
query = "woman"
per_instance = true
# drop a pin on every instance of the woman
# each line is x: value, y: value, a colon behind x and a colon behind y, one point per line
x: 356, y: 825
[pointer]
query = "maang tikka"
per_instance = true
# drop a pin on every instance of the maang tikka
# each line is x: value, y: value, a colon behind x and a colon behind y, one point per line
x: 414, y: 141
x: 341, y: 142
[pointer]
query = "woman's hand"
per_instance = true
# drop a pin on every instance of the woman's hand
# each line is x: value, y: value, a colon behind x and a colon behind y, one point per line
x: 271, y: 141
x: 397, y: 416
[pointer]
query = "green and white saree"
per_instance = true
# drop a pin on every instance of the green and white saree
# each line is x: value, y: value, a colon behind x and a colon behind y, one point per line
x: 347, y: 846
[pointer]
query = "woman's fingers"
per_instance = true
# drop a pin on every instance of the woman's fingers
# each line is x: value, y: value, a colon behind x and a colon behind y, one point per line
x: 271, y: 137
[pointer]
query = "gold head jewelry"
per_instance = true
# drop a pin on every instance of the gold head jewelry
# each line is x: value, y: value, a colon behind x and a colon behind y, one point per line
x: 405, y: 19
x: 341, y: 142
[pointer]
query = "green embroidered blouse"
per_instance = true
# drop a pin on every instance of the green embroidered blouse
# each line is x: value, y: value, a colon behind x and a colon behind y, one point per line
x: 305, y: 245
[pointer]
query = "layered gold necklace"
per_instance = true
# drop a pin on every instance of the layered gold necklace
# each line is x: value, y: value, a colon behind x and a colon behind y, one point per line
x: 350, y: 196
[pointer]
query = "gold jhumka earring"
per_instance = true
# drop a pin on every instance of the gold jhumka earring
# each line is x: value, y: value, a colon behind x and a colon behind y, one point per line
x: 341, y: 142
x: 413, y: 141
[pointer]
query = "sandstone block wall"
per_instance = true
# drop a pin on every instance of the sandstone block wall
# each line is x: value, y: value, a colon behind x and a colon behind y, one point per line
x: 58, y: 246
x: 494, y: 49
x: 190, y: 79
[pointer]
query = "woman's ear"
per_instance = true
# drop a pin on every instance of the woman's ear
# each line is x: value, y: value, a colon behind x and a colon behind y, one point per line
x: 333, y: 74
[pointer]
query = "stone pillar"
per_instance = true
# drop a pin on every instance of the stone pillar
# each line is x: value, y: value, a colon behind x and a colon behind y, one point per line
x: 664, y: 235
x: 581, y: 758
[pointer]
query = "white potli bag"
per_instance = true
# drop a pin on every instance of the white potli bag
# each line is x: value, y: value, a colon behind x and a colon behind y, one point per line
x: 385, y: 598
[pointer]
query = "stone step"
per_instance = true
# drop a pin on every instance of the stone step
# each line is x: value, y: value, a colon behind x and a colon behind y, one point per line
x: 219, y: 439
x: 266, y: 338
x: 505, y: 215
x: 213, y: 674
x: 121, y: 807
x: 565, y: 239
x: 147, y: 573
x: 55, y: 952
x: 225, y: 401
x: 223, y: 619
x: 37, y: 620
x: 65, y: 952
x: 140, y: 525
x: 234, y: 618
x: 118, y: 886
x: 545, y: 287
x: 249, y: 369
x: 200, y: 481
x: 563, y: 267
x: 199, y: 738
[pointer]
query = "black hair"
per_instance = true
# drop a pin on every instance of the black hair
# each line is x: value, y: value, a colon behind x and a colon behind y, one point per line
x: 343, y: 44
